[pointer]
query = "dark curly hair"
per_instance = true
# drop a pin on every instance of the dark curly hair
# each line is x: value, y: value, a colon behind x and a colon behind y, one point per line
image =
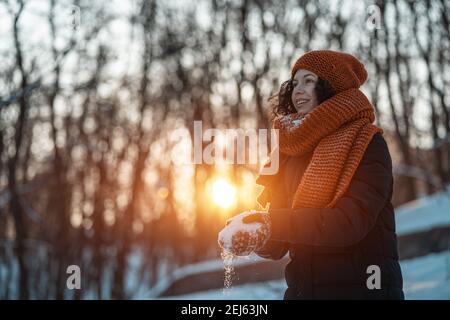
x: 282, y: 101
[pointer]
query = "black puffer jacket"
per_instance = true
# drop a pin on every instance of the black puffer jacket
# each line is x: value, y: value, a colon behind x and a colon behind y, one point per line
x: 331, y: 249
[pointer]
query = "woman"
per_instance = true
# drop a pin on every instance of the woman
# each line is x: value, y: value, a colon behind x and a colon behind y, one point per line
x: 330, y: 202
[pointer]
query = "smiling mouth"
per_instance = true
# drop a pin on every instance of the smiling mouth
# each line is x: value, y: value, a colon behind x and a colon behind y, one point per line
x: 301, y: 102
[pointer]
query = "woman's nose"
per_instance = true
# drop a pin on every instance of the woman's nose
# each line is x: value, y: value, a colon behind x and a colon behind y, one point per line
x: 299, y: 89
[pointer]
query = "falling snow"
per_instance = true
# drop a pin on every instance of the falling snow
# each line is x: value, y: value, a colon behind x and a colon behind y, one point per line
x: 227, y: 258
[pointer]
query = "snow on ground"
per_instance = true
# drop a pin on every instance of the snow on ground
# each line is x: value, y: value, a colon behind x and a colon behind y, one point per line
x: 424, y: 213
x: 427, y: 277
x: 201, y: 267
x: 424, y: 278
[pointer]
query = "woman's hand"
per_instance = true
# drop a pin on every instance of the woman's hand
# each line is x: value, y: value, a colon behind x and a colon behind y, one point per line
x: 263, y: 218
x: 240, y: 237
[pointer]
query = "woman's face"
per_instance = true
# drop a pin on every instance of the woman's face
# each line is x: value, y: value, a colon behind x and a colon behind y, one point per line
x: 304, y: 95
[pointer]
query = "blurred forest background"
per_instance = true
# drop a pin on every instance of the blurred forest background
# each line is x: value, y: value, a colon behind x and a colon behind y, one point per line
x: 93, y: 92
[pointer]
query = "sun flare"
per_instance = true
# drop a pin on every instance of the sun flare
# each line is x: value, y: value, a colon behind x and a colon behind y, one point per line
x: 223, y: 193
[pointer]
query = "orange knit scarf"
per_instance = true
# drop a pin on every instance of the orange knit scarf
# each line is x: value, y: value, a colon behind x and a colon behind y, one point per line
x: 338, y: 132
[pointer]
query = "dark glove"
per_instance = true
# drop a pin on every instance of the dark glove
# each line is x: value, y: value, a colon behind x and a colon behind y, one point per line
x: 257, y: 216
x: 264, y: 218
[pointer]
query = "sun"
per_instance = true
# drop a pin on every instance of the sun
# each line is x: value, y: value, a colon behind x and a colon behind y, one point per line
x: 223, y: 193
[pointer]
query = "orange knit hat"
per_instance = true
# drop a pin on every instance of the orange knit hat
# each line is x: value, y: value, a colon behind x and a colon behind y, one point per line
x: 342, y: 70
